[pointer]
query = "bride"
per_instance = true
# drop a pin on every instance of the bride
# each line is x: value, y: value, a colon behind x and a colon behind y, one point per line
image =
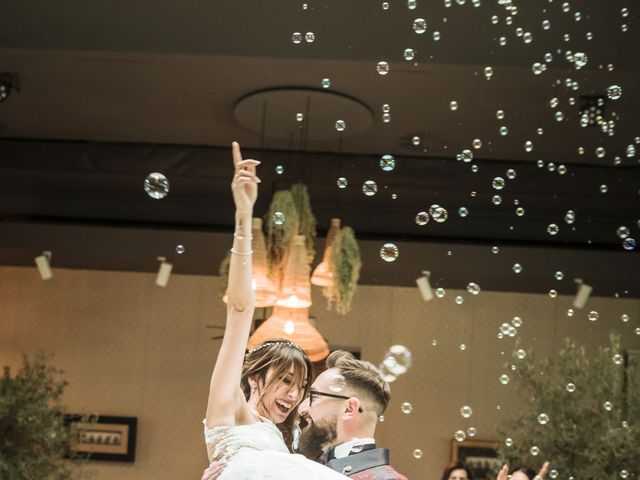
x: 250, y: 394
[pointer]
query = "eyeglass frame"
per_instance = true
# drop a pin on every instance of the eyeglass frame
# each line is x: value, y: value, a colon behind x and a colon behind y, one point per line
x: 332, y: 395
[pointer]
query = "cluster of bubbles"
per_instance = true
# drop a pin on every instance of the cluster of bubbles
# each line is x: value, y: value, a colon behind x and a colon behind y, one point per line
x: 396, y: 362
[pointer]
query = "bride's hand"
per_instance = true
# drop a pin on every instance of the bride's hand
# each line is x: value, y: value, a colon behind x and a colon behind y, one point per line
x: 245, y: 182
x: 504, y: 472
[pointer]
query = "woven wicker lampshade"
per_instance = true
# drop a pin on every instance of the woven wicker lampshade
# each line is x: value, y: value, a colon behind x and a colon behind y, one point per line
x: 264, y: 289
x: 322, y: 274
x: 292, y: 324
x: 296, y: 289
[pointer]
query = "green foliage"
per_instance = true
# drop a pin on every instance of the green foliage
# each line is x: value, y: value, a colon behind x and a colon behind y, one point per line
x: 279, y: 235
x: 344, y: 265
x: 33, y: 437
x: 307, y: 226
x: 592, y: 432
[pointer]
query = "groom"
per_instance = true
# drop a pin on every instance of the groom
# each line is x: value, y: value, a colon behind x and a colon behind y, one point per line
x: 339, y: 419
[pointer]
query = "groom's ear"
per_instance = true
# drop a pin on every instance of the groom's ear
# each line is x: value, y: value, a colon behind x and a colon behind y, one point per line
x: 351, y: 408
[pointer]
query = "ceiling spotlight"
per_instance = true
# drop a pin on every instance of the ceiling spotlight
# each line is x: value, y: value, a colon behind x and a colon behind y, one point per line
x: 164, y: 272
x: 425, y: 286
x: 43, y: 262
x: 7, y: 83
x: 584, y: 291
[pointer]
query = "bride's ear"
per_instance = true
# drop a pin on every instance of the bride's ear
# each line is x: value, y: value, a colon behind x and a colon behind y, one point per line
x: 253, y: 383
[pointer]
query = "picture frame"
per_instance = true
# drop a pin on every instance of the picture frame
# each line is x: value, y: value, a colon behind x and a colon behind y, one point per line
x: 108, y: 438
x: 481, y: 456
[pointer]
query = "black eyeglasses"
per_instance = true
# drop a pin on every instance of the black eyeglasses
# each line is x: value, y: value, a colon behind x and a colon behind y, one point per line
x: 332, y: 395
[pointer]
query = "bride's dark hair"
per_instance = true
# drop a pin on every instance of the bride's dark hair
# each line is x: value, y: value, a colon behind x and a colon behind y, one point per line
x: 279, y: 355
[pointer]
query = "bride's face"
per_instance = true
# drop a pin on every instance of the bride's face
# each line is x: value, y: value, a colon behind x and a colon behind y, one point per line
x: 281, y: 397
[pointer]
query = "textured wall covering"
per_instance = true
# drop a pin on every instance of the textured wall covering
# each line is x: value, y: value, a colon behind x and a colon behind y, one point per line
x: 130, y: 348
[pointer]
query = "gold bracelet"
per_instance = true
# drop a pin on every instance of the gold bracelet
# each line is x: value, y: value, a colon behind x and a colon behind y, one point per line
x: 233, y: 250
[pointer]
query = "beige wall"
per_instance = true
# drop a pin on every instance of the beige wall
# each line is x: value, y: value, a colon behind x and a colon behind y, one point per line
x: 130, y: 348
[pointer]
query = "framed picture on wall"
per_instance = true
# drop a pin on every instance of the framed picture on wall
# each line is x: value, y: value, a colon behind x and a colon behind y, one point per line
x: 481, y: 456
x: 108, y: 438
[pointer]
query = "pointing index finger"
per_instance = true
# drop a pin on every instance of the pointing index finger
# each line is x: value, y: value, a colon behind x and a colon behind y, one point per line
x: 237, y: 156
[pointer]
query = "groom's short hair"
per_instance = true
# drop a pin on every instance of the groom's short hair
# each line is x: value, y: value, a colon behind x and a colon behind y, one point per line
x: 363, y: 377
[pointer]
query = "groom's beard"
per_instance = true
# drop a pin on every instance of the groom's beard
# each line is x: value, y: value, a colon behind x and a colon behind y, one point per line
x: 317, y: 436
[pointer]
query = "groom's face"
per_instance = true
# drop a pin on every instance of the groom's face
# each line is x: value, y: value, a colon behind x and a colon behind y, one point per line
x: 320, y: 416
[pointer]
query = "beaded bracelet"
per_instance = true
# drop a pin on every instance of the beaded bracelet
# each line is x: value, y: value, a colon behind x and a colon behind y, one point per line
x: 242, y: 237
x: 233, y: 250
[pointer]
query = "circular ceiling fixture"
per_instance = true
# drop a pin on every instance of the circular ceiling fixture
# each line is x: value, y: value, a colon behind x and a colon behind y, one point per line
x: 325, y: 116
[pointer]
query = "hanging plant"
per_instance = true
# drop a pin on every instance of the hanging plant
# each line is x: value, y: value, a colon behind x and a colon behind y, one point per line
x: 33, y: 437
x: 283, y: 222
x: 344, y: 265
x: 307, y: 226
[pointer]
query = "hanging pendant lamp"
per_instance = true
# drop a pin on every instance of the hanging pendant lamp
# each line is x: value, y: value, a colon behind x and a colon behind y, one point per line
x: 296, y: 289
x: 322, y: 274
x: 292, y: 324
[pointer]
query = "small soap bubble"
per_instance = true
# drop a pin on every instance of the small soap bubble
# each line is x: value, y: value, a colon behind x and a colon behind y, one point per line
x: 440, y: 292
x: 438, y: 214
x: 477, y: 143
x: 608, y: 406
x: 459, y: 300
x: 517, y: 268
x: 419, y: 26
x: 614, y: 92
x: 340, y: 125
x: 622, y: 232
x: 473, y: 288
x: 516, y: 322
x: 389, y: 252
x: 629, y: 243
x: 406, y: 408
x: 521, y: 354
x: 543, y: 419
x: 534, y: 450
x: 508, y: 442
x: 278, y: 218
x: 342, y: 182
x: 519, y: 211
x: 488, y: 73
x: 422, y: 218
x: 528, y: 146
x: 558, y: 275
x: 624, y: 474
x: 409, y: 54
x: 499, y: 114
x: 503, y: 130
x: 460, y: 435
x: 436, y: 36
x: 387, y: 162
x: 570, y: 217
x: 570, y: 312
x: 552, y: 229
x: 296, y: 37
x: 496, y: 199
x: 415, y: 140
x: 156, y: 185
x: 624, y: 317
x: 570, y: 387
x: 472, y: 432
x: 466, y: 411
x: 463, y: 212
x: 498, y: 183
x: 326, y: 82
x: 604, y: 188
x: 504, y: 379
x: 309, y: 37
x: 593, y: 315
x: 279, y: 169
x: 462, y: 347
x: 417, y: 453
x: 369, y: 188
x: 618, y: 359
x: 382, y: 68
x: 453, y: 105
x: 180, y: 249
x: 553, y: 473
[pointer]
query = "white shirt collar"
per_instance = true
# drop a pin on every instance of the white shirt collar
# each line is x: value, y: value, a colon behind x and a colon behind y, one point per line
x: 344, y: 449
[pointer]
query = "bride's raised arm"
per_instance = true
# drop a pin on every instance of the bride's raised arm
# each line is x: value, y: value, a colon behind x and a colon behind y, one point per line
x: 225, y: 395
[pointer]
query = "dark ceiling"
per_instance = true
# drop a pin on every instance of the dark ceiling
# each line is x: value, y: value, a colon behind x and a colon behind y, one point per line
x: 106, y: 92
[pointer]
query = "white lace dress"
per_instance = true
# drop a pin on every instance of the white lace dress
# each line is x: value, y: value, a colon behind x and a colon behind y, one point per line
x: 257, y: 451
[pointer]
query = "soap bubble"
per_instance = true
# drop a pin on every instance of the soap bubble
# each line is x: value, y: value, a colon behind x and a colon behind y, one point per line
x: 419, y: 26
x: 422, y: 218
x: 466, y: 411
x: 156, y: 185
x: 382, y: 68
x: 369, y: 188
x: 406, y: 408
x: 389, y: 252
